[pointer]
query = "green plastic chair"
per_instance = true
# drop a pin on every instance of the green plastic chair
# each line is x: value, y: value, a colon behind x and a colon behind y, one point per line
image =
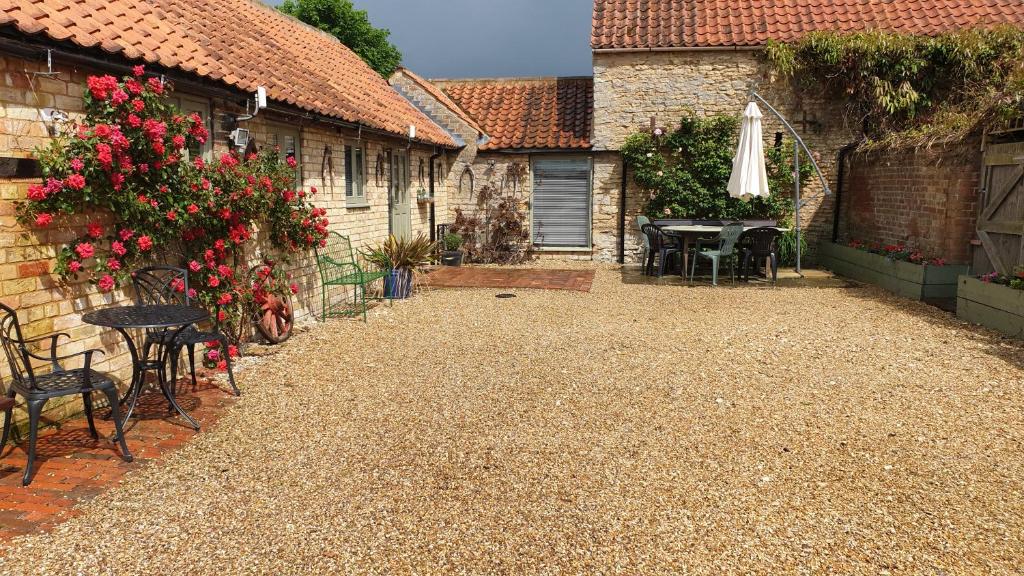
x: 640, y: 221
x: 724, y: 246
x: 339, y: 267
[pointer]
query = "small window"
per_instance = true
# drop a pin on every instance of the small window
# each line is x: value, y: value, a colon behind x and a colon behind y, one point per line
x: 287, y: 143
x: 189, y: 106
x: 355, y: 177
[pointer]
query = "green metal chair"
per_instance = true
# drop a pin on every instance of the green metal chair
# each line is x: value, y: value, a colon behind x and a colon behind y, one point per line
x: 724, y: 246
x: 339, y: 267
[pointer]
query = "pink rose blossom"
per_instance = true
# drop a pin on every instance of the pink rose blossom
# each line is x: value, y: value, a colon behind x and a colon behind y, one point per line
x: 85, y: 250
x: 106, y: 283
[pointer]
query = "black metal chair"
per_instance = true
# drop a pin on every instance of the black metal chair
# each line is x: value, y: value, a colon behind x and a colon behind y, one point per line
x: 169, y: 285
x: 662, y: 245
x: 757, y: 244
x: 38, y: 388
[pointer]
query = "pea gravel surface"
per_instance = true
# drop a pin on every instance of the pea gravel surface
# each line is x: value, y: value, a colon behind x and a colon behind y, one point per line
x: 637, y: 429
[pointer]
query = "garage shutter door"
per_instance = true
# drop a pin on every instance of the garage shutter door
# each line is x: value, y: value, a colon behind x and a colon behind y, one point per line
x: 561, y: 203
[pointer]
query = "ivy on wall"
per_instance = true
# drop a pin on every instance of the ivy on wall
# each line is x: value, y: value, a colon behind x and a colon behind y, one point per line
x: 685, y: 172
x: 909, y: 87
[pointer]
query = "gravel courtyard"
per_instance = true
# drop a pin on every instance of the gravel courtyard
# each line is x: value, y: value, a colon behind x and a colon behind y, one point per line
x: 635, y: 429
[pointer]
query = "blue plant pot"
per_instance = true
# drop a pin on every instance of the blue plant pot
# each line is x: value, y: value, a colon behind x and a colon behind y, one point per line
x: 398, y: 284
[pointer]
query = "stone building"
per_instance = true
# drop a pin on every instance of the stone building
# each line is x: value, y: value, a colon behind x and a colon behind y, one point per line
x: 364, y: 147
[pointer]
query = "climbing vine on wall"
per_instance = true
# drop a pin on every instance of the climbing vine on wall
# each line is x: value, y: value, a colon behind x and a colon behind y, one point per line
x: 125, y: 171
x: 685, y: 173
x: 919, y: 86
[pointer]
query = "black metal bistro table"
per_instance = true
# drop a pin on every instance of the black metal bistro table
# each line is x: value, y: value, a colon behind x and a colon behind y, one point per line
x: 170, y: 318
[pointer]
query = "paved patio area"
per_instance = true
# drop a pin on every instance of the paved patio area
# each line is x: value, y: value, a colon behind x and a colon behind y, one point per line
x: 536, y: 278
x: 638, y: 428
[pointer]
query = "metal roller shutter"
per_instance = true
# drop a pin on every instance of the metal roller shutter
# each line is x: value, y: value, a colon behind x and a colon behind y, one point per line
x: 561, y: 203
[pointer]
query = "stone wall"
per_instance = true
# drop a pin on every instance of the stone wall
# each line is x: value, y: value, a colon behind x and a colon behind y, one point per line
x: 924, y: 198
x: 630, y: 88
x: 27, y: 256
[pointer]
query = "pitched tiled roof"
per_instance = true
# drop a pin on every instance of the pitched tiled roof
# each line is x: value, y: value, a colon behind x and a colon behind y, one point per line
x: 441, y: 97
x: 528, y: 113
x: 242, y: 43
x: 644, y: 24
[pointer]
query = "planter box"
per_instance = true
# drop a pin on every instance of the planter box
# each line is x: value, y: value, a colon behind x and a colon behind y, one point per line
x: 994, y: 306
x: 902, y: 278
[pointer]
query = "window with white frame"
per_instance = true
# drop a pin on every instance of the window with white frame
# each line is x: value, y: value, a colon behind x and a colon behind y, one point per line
x: 190, y: 105
x: 355, y: 176
x: 286, y: 140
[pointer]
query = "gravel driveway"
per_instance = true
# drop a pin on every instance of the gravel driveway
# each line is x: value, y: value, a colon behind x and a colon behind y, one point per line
x: 634, y: 429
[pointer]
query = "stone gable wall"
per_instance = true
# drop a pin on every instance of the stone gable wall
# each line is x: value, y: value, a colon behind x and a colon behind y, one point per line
x: 630, y: 88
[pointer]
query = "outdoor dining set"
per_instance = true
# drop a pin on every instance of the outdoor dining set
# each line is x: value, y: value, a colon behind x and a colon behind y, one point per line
x: 167, y: 320
x: 691, y: 241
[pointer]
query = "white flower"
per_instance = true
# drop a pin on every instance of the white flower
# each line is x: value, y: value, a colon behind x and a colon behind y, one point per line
x: 660, y: 173
x: 650, y: 154
x: 658, y: 132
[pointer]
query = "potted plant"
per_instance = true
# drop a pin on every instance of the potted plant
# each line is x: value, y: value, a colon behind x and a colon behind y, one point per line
x: 452, y: 255
x: 400, y: 258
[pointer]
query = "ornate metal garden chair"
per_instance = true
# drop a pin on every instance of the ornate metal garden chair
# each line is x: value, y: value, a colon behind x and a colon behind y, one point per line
x: 169, y: 285
x: 37, y: 388
x: 339, y: 267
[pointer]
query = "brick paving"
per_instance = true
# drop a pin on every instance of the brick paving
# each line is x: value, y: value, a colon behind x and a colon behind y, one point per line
x: 541, y: 279
x: 71, y: 467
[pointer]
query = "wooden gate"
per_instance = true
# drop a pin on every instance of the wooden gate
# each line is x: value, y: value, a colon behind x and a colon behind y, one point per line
x: 1001, y: 210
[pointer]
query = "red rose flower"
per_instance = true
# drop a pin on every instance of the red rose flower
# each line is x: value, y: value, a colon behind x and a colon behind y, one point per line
x: 172, y: 215
x: 36, y: 193
x: 195, y: 266
x: 138, y: 70
x: 225, y: 298
x: 192, y: 209
x: 145, y: 243
x: 85, y: 250
x: 74, y: 265
x: 75, y: 181
x: 95, y: 229
x: 213, y: 281
x: 125, y: 234
x: 106, y: 283
x: 113, y: 264
x: 294, y: 288
x: 118, y: 248
x: 43, y: 219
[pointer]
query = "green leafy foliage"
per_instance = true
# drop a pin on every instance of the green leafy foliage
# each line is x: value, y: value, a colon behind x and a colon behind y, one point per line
x: 452, y: 242
x: 900, y: 82
x: 686, y: 172
x: 394, y: 253
x: 352, y: 27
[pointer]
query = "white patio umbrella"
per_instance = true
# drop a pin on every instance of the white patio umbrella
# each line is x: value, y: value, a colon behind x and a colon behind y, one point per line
x: 749, y: 177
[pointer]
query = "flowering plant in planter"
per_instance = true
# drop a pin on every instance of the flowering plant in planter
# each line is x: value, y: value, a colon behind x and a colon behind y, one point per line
x: 1014, y: 280
x: 131, y: 167
x: 899, y: 252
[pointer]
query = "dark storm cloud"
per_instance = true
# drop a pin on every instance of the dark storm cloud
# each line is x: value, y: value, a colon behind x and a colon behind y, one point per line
x: 487, y: 38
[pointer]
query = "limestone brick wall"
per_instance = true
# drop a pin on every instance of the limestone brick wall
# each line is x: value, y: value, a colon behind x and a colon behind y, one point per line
x: 27, y: 256
x: 630, y: 88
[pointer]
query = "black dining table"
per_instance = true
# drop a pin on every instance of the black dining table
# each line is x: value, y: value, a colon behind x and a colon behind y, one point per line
x: 168, y: 320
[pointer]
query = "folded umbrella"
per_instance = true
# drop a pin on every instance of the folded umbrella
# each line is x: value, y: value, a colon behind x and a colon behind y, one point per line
x: 749, y: 176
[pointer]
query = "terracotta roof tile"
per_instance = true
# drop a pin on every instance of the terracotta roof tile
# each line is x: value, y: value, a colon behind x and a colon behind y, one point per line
x: 643, y: 24
x: 240, y: 42
x: 528, y: 113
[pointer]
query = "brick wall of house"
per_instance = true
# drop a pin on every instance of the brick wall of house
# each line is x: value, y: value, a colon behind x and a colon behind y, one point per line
x: 27, y: 256
x: 630, y: 88
x: 925, y: 198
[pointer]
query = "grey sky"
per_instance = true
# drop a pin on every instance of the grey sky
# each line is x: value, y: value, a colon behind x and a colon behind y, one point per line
x: 487, y: 38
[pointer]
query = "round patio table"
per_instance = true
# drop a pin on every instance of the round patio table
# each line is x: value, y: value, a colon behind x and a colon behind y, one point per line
x: 169, y: 318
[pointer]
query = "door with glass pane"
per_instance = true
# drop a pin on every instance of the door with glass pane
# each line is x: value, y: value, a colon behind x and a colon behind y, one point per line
x: 401, y: 204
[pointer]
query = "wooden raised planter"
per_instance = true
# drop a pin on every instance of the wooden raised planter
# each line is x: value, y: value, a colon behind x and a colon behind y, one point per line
x: 902, y: 278
x: 994, y: 306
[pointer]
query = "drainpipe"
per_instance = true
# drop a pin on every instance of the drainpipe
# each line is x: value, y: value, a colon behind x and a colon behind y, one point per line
x: 840, y: 177
x: 622, y: 213
x: 433, y: 225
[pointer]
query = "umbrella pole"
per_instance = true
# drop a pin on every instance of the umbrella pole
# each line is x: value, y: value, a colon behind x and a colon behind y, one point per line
x: 796, y: 206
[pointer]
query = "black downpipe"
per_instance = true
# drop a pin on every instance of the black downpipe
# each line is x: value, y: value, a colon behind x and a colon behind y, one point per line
x: 433, y: 225
x: 622, y: 214
x: 840, y: 177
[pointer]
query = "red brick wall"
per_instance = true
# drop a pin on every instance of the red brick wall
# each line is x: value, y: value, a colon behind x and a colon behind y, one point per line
x: 925, y: 198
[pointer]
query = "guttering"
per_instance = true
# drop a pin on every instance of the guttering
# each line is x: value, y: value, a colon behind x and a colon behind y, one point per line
x: 840, y: 180
x: 622, y: 211
x: 119, y: 63
x: 433, y: 226
x: 678, y: 49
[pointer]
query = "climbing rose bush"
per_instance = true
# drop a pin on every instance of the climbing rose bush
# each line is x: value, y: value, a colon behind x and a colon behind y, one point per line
x: 127, y: 166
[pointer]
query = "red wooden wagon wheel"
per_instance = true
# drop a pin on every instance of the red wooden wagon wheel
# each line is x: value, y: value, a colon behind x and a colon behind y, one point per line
x: 272, y: 308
